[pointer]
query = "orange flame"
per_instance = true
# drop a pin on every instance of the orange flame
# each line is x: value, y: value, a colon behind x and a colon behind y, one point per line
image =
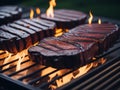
x: 38, y: 11
x: 99, y: 21
x: 77, y: 73
x: 60, y: 31
x: 31, y: 13
x: 50, y: 10
x: 10, y: 57
x: 20, y: 56
x: 58, y: 34
x: 7, y: 60
x: 90, y: 18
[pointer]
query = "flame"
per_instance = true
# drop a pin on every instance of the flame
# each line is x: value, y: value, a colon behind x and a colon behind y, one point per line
x: 90, y: 18
x: 66, y: 30
x: 99, y: 21
x: 77, y: 73
x: 60, y: 31
x: 10, y: 57
x: 59, y: 82
x: 21, y: 55
x: 38, y: 11
x: 58, y: 34
x: 50, y: 10
x: 7, y: 60
x: 31, y: 13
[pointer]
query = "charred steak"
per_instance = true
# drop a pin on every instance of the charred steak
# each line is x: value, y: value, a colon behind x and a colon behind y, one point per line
x: 76, y: 47
x: 23, y: 33
x: 9, y: 14
x: 67, y: 19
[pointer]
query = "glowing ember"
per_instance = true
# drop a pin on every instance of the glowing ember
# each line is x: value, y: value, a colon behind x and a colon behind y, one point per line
x: 66, y: 30
x: 10, y: 57
x: 77, y: 73
x: 59, y: 32
x: 21, y: 57
x: 93, y: 58
x: 99, y: 21
x: 50, y: 10
x: 38, y: 11
x: 7, y: 60
x: 90, y: 18
x: 31, y: 13
x: 59, y: 82
x: 102, y: 60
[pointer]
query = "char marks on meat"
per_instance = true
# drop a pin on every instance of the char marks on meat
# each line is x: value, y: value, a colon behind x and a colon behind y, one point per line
x: 76, y: 47
x: 66, y: 19
x: 9, y: 14
x: 21, y: 34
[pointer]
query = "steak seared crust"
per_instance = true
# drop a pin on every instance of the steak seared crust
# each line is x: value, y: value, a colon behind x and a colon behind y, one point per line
x: 66, y: 19
x: 76, y: 47
x: 9, y: 14
x: 21, y: 34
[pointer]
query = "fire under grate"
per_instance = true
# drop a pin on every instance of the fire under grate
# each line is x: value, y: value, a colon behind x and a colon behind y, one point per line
x: 102, y: 73
x: 105, y: 76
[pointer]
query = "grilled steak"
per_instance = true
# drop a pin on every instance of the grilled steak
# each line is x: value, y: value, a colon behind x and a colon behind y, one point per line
x: 9, y: 14
x: 66, y: 19
x: 23, y: 33
x: 76, y: 47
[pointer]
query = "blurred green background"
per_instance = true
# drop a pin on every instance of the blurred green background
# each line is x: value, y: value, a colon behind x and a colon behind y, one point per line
x: 106, y: 8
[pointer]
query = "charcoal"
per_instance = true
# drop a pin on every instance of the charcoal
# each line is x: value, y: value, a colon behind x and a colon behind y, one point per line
x: 67, y: 19
x: 76, y: 47
x: 25, y: 34
x: 9, y: 14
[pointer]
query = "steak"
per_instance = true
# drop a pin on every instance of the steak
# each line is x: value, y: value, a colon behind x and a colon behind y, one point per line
x: 9, y: 14
x: 66, y: 19
x: 75, y: 48
x: 21, y: 34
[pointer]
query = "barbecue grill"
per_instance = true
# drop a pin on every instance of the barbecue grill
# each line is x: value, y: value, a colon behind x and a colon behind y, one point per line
x: 102, y: 76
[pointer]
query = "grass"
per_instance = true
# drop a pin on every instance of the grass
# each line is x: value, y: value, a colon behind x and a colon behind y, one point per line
x: 99, y: 8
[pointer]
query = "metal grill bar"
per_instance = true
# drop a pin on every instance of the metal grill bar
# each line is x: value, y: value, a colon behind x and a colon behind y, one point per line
x: 111, y: 65
x: 115, y: 84
x: 37, y: 79
x: 103, y: 78
x: 92, y: 77
x: 14, y: 73
x: 2, y: 58
x: 8, y: 63
x: 13, y: 66
x: 2, y: 52
x: 110, y: 80
x: 11, y: 84
x: 32, y: 74
x: 54, y: 79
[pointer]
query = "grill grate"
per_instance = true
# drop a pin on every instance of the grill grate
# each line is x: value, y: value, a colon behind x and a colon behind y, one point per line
x: 105, y: 76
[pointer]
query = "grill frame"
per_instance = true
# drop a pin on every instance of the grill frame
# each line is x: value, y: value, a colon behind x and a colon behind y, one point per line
x: 81, y: 80
x: 9, y: 83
